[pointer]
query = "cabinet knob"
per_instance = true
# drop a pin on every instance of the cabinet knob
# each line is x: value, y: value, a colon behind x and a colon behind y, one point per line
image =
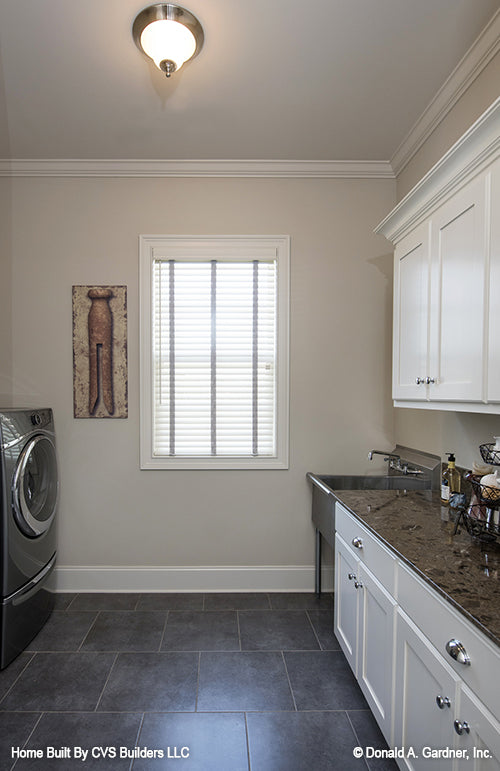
x: 357, y: 542
x: 351, y: 577
x: 358, y: 585
x: 457, y: 651
x: 443, y: 701
x: 430, y: 380
x: 419, y: 380
x: 461, y: 727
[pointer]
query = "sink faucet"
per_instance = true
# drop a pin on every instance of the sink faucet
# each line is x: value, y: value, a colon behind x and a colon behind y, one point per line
x: 395, y: 462
x: 388, y: 455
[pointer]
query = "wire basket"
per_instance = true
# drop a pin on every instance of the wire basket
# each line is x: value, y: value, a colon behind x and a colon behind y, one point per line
x: 489, y: 454
x: 482, y: 517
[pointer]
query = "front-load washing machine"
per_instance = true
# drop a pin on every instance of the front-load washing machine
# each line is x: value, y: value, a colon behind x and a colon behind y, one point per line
x: 28, y: 500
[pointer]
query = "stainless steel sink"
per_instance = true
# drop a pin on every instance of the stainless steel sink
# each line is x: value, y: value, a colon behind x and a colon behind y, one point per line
x: 326, y: 488
x: 374, y: 482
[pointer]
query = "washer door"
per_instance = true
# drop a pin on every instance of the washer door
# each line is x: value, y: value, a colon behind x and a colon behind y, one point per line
x: 35, y: 486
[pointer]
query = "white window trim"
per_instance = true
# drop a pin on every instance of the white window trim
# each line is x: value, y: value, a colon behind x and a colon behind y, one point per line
x: 237, y: 247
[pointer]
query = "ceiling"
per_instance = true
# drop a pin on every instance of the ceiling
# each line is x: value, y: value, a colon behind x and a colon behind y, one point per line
x: 276, y: 79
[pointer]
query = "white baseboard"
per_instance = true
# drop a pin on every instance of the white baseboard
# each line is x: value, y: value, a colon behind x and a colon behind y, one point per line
x: 254, y: 578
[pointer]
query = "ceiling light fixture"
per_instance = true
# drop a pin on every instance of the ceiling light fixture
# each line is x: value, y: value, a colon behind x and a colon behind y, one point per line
x: 169, y: 35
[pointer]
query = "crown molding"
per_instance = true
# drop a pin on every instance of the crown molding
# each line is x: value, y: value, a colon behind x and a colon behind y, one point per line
x: 482, y: 51
x: 472, y: 153
x: 196, y: 168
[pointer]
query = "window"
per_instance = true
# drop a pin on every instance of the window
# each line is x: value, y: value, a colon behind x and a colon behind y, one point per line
x: 214, y: 352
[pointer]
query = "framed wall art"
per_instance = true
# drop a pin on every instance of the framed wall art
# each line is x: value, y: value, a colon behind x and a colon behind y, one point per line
x: 100, y: 369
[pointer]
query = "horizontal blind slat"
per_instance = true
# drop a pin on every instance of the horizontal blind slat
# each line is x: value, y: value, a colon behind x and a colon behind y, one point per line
x: 235, y: 369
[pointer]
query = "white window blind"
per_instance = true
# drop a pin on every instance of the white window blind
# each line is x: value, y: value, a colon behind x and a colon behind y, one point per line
x: 216, y: 356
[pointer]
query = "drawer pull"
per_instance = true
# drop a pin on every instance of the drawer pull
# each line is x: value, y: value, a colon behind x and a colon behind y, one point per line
x: 458, y: 652
x: 357, y: 542
x: 443, y: 701
x: 358, y: 585
x: 461, y: 727
x: 351, y: 577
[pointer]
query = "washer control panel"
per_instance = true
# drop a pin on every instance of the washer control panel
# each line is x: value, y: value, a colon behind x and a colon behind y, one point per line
x: 40, y: 418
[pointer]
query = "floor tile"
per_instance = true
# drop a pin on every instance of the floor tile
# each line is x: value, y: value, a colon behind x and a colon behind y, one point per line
x: 323, y: 680
x: 105, y: 601
x: 62, y: 600
x: 300, y: 601
x: 369, y: 735
x: 215, y: 742
x: 170, y: 601
x: 63, y: 631
x: 243, y: 681
x: 142, y: 682
x: 124, y: 630
x: 83, y: 730
x: 296, y: 741
x: 60, y: 681
x: 201, y: 631
x: 189, y: 666
x: 322, y: 621
x: 15, y: 727
x: 276, y: 630
x: 9, y: 675
x: 237, y: 601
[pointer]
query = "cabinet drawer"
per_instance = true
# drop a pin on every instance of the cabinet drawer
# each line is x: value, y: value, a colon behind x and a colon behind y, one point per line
x: 370, y: 551
x: 440, y: 623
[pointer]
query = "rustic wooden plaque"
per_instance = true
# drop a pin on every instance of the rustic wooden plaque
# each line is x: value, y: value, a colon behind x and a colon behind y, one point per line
x: 100, y: 371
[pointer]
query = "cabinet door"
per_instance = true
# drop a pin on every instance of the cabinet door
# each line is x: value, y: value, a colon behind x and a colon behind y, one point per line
x: 376, y: 648
x: 457, y: 319
x: 422, y: 678
x: 346, y: 601
x: 411, y: 315
x: 480, y: 735
x: 494, y: 284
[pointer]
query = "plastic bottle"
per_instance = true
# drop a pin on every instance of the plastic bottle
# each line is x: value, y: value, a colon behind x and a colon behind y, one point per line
x: 450, y: 481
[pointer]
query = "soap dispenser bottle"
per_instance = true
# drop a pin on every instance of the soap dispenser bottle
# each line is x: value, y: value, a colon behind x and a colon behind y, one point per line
x: 450, y: 482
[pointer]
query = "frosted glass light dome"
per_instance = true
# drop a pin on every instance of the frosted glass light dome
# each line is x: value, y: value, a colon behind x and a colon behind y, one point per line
x: 169, y: 35
x: 168, y: 40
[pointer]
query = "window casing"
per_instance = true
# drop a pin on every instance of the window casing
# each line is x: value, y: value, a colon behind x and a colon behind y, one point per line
x: 214, y: 352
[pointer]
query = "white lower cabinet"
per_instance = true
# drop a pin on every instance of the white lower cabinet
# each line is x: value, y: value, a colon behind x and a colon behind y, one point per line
x: 346, y: 602
x: 364, y: 625
x: 404, y: 643
x: 438, y: 720
x: 425, y: 697
x: 478, y: 733
x: 376, y: 647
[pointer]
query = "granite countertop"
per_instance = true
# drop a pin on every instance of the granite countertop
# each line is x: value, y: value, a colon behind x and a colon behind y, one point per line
x: 418, y: 529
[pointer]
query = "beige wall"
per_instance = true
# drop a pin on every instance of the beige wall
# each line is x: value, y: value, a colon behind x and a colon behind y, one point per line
x: 434, y: 431
x: 85, y: 231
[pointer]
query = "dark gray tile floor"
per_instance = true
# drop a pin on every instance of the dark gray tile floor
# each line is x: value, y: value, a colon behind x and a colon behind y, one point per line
x: 211, y: 682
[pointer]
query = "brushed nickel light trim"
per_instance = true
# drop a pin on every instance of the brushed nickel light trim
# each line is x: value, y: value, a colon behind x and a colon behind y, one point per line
x: 172, y: 13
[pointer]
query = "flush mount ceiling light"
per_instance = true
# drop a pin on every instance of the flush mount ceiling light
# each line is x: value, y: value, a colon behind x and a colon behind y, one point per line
x: 169, y: 35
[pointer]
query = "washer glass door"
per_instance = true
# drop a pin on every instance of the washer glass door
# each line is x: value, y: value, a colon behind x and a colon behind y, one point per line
x: 35, y: 486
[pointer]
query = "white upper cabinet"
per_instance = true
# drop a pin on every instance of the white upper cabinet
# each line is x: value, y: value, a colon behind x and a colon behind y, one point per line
x: 457, y: 310
x: 411, y: 315
x: 446, y: 232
